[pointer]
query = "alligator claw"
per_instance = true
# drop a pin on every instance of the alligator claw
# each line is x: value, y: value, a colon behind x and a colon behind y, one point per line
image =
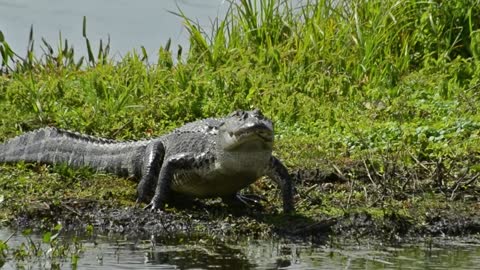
x: 148, y: 207
x: 152, y: 207
x: 137, y: 203
x: 251, y: 198
x: 250, y: 201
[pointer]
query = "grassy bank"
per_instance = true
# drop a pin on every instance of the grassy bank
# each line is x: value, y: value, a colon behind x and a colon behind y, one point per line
x: 380, y: 96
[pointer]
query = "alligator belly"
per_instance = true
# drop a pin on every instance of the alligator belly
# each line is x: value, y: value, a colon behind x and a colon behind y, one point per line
x: 211, y: 185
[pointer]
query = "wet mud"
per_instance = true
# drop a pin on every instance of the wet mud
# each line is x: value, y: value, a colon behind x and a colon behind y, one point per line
x: 448, y: 210
x: 221, y: 221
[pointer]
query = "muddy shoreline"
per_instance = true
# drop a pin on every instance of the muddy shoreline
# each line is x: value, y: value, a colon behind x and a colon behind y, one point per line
x: 349, y: 202
x: 220, y: 221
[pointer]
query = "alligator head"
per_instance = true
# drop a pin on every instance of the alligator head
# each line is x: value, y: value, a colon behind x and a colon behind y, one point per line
x: 248, y: 131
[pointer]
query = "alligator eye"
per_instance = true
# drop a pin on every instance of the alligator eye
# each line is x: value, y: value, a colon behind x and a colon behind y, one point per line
x: 258, y: 114
x: 235, y: 113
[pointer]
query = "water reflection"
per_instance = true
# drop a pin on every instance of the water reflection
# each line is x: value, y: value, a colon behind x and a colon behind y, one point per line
x: 203, y: 252
x: 201, y: 257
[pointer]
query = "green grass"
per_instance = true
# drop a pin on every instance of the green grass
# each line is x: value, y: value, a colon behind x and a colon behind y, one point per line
x: 390, y: 84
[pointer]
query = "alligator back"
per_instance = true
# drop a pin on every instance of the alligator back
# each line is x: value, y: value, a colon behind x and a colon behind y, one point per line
x: 55, y: 146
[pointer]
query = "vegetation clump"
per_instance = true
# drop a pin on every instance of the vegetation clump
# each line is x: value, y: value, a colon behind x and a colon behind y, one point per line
x: 375, y: 106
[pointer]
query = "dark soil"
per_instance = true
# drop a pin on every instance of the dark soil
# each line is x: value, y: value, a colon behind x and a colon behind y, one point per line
x: 328, y: 204
x: 219, y: 220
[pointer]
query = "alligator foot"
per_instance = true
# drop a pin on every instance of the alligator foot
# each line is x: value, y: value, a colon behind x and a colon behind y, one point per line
x: 153, y: 207
x: 139, y: 202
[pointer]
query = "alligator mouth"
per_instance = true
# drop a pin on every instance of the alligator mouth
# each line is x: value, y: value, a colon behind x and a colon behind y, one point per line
x: 257, y: 133
x: 266, y: 136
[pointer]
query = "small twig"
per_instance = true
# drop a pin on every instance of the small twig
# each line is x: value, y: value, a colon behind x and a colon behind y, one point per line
x: 116, y: 132
x: 305, y: 193
x: 368, y: 173
x: 418, y: 162
x: 338, y: 171
x: 366, y: 193
x: 379, y: 199
x: 460, y: 179
x: 453, y: 192
x: 8, y: 238
x: 438, y: 174
x: 457, y: 184
x: 472, y: 180
x: 350, y: 194
x: 473, y: 87
x: 71, y: 209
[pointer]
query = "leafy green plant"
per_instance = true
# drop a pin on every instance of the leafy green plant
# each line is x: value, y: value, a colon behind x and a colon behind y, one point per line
x: 51, y: 251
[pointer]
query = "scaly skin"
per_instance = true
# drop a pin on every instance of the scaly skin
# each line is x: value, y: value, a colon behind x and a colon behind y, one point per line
x: 214, y: 157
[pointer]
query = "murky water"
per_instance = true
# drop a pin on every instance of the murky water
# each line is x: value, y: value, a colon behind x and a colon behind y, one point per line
x: 203, y: 253
x: 129, y: 24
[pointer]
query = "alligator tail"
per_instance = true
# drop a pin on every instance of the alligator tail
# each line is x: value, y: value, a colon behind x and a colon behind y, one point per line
x: 55, y: 146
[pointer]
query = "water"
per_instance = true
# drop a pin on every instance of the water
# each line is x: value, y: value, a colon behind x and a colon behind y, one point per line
x: 129, y: 24
x: 206, y: 253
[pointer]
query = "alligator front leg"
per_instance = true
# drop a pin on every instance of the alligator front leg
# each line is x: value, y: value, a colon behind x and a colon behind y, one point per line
x: 187, y: 163
x: 152, y: 164
x: 278, y: 173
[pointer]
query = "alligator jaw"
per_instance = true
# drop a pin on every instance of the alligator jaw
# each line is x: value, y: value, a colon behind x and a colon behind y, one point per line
x: 257, y: 135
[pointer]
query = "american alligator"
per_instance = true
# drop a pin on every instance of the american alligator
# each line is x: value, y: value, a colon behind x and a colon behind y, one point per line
x: 213, y: 157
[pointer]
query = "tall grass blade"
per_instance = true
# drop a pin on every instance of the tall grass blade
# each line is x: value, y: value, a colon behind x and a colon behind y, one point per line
x: 144, y: 54
x: 167, y: 45
x: 84, y: 27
